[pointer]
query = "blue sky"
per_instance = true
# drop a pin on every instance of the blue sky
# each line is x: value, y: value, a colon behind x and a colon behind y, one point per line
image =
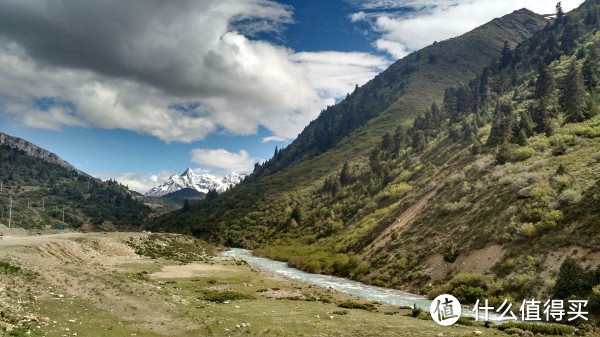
x: 214, y: 85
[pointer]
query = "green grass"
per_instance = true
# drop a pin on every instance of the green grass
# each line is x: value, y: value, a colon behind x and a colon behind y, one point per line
x: 224, y: 296
x: 544, y: 329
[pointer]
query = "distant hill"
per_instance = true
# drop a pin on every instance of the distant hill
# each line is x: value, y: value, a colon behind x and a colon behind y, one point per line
x: 43, y: 187
x: 184, y: 194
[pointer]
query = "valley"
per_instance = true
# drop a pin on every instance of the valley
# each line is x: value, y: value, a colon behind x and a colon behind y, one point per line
x: 97, y: 284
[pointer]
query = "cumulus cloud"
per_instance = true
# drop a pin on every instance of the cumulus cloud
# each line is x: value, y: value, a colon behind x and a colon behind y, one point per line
x: 421, y: 22
x: 176, y: 71
x: 222, y: 159
x: 136, y: 181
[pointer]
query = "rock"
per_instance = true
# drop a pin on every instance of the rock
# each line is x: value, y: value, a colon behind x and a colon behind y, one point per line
x: 237, y: 326
x: 524, y: 193
x: 477, y: 332
x: 440, y: 334
x: 330, y: 317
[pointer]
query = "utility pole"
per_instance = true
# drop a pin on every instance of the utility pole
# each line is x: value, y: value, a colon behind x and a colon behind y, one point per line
x: 43, y: 204
x: 10, y: 213
x: 63, y: 214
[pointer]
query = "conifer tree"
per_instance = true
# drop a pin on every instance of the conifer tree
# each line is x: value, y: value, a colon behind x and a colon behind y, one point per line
x: 573, y: 100
x: 345, y: 178
x: 571, y: 280
x: 502, y: 124
x: 387, y: 144
x: 560, y: 14
x: 544, y: 95
x: 591, y: 69
x: 506, y: 57
x: 419, y: 142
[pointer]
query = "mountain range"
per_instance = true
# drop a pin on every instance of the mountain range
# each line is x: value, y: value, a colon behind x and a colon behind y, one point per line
x: 202, y: 183
x: 470, y: 167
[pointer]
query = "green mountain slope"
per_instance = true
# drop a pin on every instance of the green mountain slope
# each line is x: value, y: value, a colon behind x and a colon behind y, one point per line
x: 499, y: 180
x: 41, y: 189
x: 392, y: 98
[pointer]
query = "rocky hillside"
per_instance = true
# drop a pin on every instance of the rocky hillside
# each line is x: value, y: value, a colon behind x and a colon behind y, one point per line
x: 45, y: 190
x: 34, y: 150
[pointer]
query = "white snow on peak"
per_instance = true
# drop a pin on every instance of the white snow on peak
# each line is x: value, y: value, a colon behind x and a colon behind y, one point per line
x: 200, y: 182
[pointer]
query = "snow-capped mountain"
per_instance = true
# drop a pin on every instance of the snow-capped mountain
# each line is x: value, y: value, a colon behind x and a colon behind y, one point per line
x: 200, y: 182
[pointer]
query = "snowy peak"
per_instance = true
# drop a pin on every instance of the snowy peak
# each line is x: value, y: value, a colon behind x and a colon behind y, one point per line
x: 200, y: 182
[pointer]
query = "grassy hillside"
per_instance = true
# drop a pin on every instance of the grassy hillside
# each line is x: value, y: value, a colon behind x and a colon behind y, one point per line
x: 393, y: 98
x: 41, y: 190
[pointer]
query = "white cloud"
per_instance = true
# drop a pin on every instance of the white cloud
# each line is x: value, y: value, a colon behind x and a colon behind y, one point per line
x: 335, y: 74
x: 135, y: 181
x: 222, y: 159
x: 177, y: 72
x: 270, y: 139
x: 404, y: 31
x: 358, y: 16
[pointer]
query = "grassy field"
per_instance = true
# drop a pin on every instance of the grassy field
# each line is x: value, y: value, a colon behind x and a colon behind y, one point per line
x: 96, y: 285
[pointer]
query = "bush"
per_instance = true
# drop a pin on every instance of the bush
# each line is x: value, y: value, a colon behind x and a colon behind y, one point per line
x: 222, y: 296
x: 416, y: 311
x: 544, y: 329
x: 451, y: 252
x: 570, y: 196
x: 594, y: 302
x: 356, y: 305
x: 7, y: 268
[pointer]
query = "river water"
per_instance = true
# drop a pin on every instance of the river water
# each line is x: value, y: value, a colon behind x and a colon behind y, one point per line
x: 364, y: 291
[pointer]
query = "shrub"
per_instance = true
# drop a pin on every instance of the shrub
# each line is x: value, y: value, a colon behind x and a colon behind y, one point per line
x: 570, y: 196
x: 594, y: 302
x: 451, y: 252
x: 356, y: 305
x: 544, y: 329
x: 540, y: 143
x: 416, y: 311
x: 7, y: 268
x: 520, y: 154
x: 222, y: 296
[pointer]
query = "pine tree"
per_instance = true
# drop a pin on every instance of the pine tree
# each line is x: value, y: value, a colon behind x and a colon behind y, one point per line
x: 345, y: 177
x: 387, y: 144
x: 560, y: 14
x: 591, y: 69
x: 569, y: 36
x: 573, y: 100
x: 571, y: 280
x: 419, y: 142
x: 506, y: 57
x: 375, y: 161
x: 544, y: 95
x: 502, y: 124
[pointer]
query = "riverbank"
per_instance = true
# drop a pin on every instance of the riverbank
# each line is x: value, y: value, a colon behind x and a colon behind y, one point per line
x: 136, y: 284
